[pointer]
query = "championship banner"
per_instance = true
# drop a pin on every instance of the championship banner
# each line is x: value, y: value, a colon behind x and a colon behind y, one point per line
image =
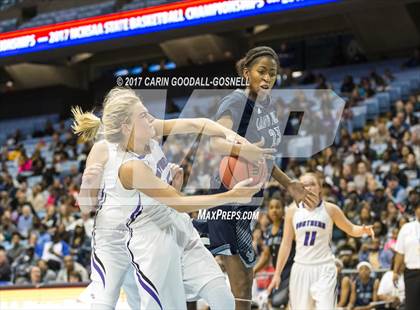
x: 140, y: 21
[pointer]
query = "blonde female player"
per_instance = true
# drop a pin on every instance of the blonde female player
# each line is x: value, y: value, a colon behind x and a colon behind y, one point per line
x: 313, y: 277
x: 171, y: 263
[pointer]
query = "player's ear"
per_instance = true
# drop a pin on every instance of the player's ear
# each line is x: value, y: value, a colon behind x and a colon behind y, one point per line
x: 245, y: 73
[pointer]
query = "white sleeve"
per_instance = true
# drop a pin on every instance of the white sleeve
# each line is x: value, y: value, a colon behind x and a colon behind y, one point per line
x: 385, y: 286
x: 399, y: 246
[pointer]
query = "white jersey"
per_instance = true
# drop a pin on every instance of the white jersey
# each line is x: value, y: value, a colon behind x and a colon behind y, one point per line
x: 148, y: 209
x: 313, y: 231
x: 117, y: 205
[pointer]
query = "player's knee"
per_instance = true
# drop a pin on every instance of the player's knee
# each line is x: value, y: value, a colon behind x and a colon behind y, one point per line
x: 242, y: 288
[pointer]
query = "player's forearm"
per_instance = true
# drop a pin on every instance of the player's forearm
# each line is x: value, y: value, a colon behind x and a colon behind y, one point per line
x: 212, y: 128
x: 222, y: 147
x: 281, y: 177
x: 87, y: 200
x: 356, y: 231
x: 283, y: 255
x: 189, y: 204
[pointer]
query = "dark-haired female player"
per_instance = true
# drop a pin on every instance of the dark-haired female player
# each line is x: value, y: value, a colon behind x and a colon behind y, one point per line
x: 250, y: 113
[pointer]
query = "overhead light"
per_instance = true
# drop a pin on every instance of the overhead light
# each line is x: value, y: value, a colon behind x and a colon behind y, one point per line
x: 297, y: 74
x: 260, y: 28
x: 170, y: 65
x: 121, y: 72
x: 154, y: 68
x: 79, y: 57
x: 136, y: 70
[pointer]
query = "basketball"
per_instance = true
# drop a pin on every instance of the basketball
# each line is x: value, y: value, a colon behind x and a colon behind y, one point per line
x: 233, y: 170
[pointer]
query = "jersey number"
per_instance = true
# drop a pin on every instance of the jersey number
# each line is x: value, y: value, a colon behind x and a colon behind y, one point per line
x: 276, y: 135
x: 309, y: 238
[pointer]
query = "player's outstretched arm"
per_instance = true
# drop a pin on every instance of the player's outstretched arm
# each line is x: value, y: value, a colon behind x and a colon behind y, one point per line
x: 285, y: 248
x: 345, y: 225
x: 251, y: 152
x: 195, y: 125
x: 91, y: 178
x: 137, y: 175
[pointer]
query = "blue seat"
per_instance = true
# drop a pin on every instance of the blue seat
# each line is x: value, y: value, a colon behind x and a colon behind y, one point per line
x: 359, y: 117
x: 372, y: 105
x: 384, y: 100
x: 395, y: 93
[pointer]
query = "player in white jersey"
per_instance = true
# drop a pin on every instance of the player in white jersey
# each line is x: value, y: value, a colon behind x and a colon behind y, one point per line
x: 111, y: 267
x: 313, y: 277
x: 171, y: 263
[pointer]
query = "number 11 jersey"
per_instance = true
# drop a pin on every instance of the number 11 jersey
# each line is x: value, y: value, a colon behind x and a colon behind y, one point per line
x: 313, y: 231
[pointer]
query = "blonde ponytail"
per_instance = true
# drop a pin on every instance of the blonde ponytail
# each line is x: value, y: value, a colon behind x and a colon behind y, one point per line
x: 85, y: 124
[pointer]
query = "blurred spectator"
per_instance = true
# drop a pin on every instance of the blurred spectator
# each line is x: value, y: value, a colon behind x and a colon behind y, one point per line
x: 37, y: 198
x: 80, y: 245
x: 54, y: 252
x: 7, y: 227
x: 5, y: 270
x: 22, y: 265
x: 348, y: 85
x: 24, y: 163
x: 343, y: 286
x: 35, y: 276
x: 379, y: 81
x: 364, y: 289
x: 413, y: 200
x: 75, y: 277
x: 38, y: 163
x: 394, y: 191
x: 411, y: 171
x: 365, y: 88
x: 65, y: 217
x: 47, y: 275
x: 51, y: 218
x: 16, y: 247
x: 397, y: 129
x: 387, y: 291
x: 25, y: 221
x: 71, y: 266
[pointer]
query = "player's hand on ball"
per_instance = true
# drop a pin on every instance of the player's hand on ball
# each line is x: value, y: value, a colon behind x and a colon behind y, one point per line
x: 243, y: 193
x: 92, y: 176
x: 300, y: 194
x: 177, y: 174
x: 274, y: 284
x: 254, y: 152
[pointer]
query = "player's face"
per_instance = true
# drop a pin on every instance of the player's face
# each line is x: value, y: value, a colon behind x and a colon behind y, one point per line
x: 310, y: 183
x: 275, y: 210
x: 262, y: 75
x: 142, y: 125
